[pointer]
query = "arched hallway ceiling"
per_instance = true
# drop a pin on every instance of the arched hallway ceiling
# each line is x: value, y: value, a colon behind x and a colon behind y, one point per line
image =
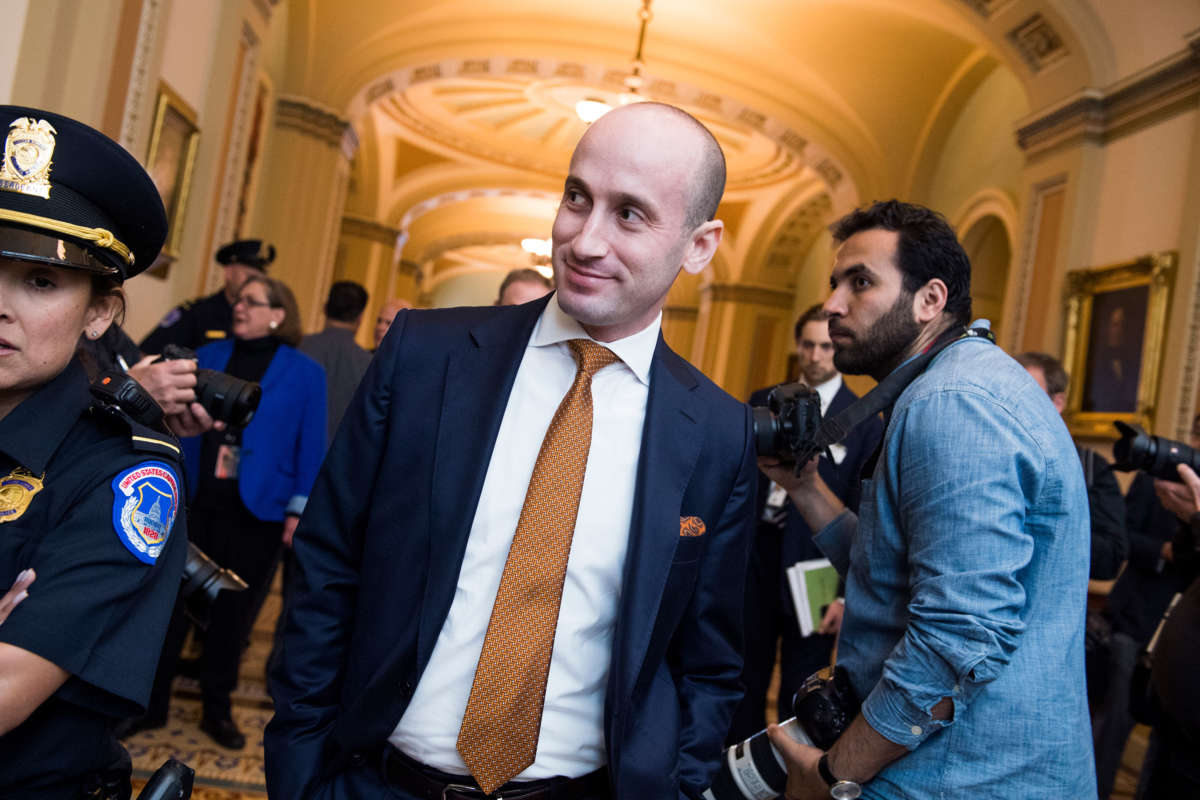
x: 857, y: 78
x: 851, y: 96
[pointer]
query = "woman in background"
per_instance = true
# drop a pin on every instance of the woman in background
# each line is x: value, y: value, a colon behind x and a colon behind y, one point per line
x: 248, y: 487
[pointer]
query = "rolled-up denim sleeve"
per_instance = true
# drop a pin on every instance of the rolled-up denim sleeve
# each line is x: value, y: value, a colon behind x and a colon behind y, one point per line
x: 835, y: 539
x: 961, y: 491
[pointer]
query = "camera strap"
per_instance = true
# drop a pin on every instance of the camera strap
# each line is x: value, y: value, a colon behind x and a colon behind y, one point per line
x: 836, y: 428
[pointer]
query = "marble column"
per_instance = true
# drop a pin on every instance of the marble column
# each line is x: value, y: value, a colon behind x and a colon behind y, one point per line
x: 307, y: 170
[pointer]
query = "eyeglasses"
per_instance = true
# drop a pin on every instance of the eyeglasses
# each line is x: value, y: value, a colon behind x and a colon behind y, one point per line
x: 251, y: 302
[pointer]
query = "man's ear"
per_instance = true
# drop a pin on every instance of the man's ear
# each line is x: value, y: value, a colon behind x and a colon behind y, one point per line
x: 1060, y: 401
x: 930, y: 300
x: 703, y: 246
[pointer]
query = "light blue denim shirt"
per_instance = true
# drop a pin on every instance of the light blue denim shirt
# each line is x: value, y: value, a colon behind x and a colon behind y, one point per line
x: 966, y: 577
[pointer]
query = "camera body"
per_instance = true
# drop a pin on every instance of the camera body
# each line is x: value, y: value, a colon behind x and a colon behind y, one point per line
x: 824, y: 707
x: 224, y: 397
x: 1154, y: 455
x: 787, y: 426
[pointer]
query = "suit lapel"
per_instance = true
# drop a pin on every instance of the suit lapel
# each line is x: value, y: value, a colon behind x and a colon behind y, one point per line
x: 670, y: 445
x: 479, y: 379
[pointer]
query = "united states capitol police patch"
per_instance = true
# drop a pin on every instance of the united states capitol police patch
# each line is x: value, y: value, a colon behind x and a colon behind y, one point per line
x: 145, y: 502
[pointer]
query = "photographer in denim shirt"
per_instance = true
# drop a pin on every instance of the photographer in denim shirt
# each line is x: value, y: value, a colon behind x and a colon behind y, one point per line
x: 966, y: 567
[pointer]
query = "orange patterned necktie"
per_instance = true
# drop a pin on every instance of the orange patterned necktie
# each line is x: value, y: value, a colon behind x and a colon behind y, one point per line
x: 499, y: 733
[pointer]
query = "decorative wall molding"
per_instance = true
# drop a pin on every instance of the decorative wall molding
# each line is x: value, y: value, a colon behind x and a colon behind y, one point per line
x: 439, y: 247
x: 265, y: 7
x: 449, y: 198
x: 1191, y: 363
x: 1024, y: 277
x: 1099, y: 115
x: 1038, y: 43
x: 369, y: 229
x: 139, y: 97
x: 682, y: 312
x: 234, y: 170
x: 987, y: 8
x: 312, y: 119
x: 798, y: 233
x: 749, y: 294
x: 794, y: 150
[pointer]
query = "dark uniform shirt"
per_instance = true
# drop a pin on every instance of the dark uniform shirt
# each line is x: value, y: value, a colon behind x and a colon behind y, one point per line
x: 86, y: 500
x: 192, y: 324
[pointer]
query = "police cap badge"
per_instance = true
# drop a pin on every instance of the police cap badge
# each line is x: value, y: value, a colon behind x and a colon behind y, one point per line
x: 71, y: 197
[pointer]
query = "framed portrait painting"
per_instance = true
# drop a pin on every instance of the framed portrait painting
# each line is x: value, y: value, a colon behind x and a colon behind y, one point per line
x: 172, y: 154
x: 1116, y: 317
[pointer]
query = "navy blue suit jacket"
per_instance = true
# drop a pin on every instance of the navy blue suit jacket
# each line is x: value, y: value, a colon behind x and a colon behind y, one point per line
x: 379, y: 550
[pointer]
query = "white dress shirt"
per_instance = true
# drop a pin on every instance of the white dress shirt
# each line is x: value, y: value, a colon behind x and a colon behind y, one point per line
x: 571, y: 739
x: 826, y: 391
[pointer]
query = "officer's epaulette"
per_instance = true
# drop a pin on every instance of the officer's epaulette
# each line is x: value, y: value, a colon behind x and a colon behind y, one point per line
x: 121, y: 399
x: 142, y: 438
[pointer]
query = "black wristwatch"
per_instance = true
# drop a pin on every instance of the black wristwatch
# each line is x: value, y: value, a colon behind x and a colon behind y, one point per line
x: 838, y: 790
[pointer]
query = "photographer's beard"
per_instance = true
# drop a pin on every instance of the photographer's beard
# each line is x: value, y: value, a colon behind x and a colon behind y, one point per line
x: 881, y: 348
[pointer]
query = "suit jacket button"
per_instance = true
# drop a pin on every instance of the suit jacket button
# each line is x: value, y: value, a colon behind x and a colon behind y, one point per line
x: 358, y: 759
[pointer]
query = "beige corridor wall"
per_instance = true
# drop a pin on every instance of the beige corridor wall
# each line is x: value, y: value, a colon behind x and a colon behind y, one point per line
x: 981, y: 151
x: 15, y: 12
x: 189, y: 41
x: 1133, y: 193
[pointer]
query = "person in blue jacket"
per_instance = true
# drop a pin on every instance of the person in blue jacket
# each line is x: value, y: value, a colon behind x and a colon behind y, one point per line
x: 247, y: 488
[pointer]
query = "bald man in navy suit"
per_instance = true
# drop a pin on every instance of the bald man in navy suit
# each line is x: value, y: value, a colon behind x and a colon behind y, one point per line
x: 402, y: 547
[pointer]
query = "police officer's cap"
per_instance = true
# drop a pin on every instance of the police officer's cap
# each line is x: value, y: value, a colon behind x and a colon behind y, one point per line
x: 72, y: 197
x: 251, y: 252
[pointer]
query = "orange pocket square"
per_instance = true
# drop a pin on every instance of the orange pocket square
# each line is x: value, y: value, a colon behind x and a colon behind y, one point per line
x: 691, y: 526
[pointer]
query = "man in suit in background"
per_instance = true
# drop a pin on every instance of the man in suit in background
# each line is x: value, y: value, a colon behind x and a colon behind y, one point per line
x: 387, y: 313
x: 412, y: 665
x: 783, y: 538
x: 521, y: 286
x: 335, y: 349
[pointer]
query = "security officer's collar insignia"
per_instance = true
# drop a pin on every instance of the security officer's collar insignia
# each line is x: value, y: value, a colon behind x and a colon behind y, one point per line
x: 27, y: 154
x: 145, y: 501
x: 16, y: 490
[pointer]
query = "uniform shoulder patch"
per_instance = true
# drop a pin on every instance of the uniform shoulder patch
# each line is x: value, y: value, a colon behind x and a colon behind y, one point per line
x: 145, y: 502
x: 173, y: 316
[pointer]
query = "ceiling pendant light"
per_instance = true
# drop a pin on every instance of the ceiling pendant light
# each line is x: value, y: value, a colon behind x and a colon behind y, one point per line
x: 590, y: 109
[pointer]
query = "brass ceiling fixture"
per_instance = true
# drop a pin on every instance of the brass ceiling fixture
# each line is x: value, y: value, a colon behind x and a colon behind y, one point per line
x: 591, y: 109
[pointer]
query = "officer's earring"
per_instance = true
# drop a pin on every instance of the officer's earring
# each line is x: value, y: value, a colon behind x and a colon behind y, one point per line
x: 273, y: 324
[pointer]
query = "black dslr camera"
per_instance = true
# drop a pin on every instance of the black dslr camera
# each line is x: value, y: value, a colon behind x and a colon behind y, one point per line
x: 753, y: 770
x: 1154, y: 455
x: 203, y: 578
x: 786, y: 427
x: 224, y: 397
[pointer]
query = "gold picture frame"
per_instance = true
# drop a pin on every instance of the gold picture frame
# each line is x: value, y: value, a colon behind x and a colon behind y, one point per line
x: 170, y: 159
x: 1116, y: 323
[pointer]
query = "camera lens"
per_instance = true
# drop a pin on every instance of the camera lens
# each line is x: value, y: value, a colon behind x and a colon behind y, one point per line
x: 226, y: 397
x: 767, y: 432
x: 1154, y: 455
x: 203, y: 578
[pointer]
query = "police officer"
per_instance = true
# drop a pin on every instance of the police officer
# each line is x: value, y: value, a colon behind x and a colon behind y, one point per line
x: 91, y: 524
x: 196, y: 323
